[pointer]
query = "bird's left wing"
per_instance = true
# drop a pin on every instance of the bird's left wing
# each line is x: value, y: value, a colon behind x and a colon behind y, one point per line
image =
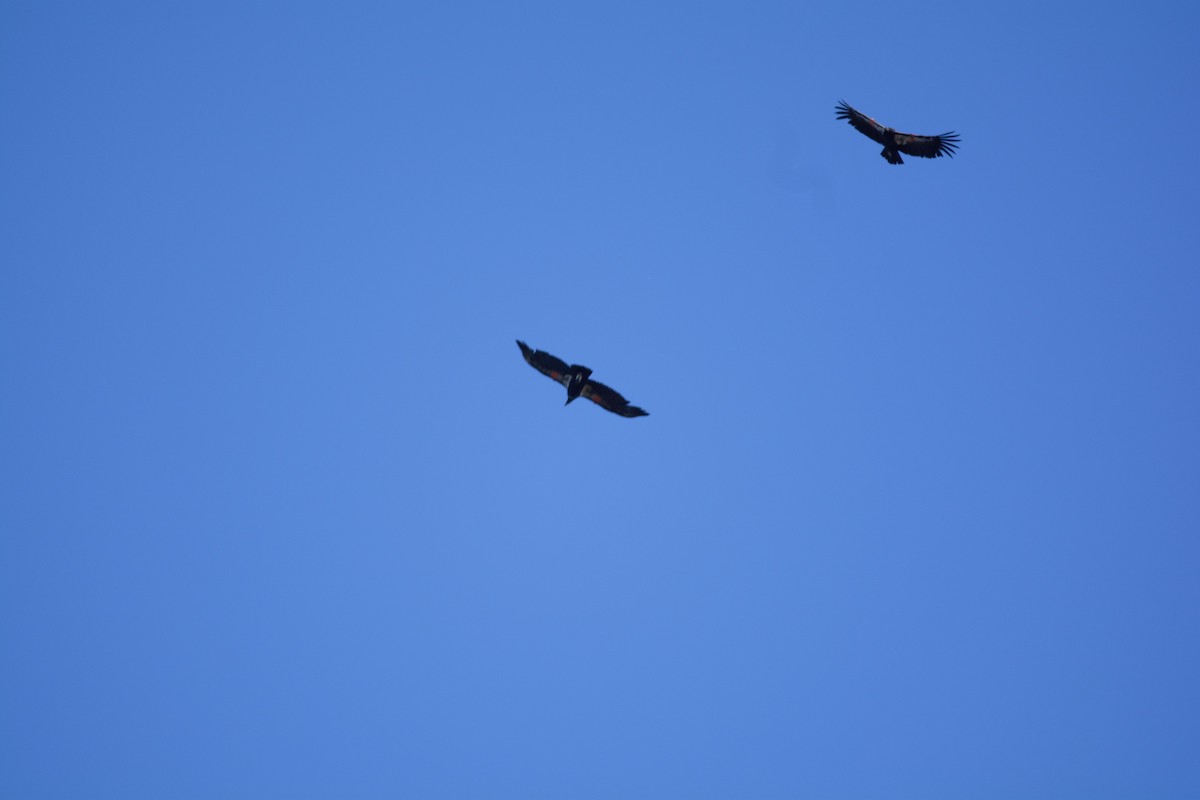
x: 610, y: 400
x: 912, y: 144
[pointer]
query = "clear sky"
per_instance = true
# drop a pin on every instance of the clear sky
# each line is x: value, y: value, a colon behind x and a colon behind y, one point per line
x: 915, y: 513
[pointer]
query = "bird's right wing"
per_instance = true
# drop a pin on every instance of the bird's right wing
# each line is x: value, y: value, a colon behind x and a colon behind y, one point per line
x: 861, y: 122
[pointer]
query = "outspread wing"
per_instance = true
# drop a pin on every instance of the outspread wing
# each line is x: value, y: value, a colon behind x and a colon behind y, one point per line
x: 861, y: 122
x: 912, y: 144
x: 610, y: 400
x: 544, y: 363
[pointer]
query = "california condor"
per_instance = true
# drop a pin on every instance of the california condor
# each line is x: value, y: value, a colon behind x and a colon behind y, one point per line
x: 578, y: 381
x: 894, y: 143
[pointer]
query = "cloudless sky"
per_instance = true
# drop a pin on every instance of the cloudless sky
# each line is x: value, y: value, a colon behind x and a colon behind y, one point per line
x: 283, y: 513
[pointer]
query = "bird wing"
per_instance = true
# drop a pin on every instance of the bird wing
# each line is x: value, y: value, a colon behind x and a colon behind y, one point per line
x: 912, y: 144
x: 553, y: 368
x: 861, y: 122
x: 610, y: 400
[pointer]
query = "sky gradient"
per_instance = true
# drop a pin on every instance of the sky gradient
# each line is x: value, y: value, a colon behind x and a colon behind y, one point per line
x: 283, y: 513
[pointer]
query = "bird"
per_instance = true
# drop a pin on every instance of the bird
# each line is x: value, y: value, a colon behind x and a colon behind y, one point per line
x: 894, y: 143
x: 578, y: 381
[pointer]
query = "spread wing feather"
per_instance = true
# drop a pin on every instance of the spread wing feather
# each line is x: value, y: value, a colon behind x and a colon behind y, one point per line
x: 861, y: 122
x: 912, y: 144
x: 611, y: 400
x: 553, y: 368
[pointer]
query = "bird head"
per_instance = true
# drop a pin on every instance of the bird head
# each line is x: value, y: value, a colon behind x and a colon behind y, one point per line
x: 579, y: 377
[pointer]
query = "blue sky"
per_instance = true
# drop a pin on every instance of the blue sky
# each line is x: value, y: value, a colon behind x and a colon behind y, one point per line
x: 914, y: 513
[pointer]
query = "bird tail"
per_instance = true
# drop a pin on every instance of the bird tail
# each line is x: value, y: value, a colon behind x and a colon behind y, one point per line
x: 892, y: 156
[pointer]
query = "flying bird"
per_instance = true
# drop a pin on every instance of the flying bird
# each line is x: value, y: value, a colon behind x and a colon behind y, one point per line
x: 894, y: 143
x: 578, y: 381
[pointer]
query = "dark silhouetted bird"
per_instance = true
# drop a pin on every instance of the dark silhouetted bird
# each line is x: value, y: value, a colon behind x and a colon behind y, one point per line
x: 578, y: 381
x: 894, y: 143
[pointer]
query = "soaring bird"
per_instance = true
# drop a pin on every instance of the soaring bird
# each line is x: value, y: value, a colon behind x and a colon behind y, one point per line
x: 578, y: 381
x: 894, y: 143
